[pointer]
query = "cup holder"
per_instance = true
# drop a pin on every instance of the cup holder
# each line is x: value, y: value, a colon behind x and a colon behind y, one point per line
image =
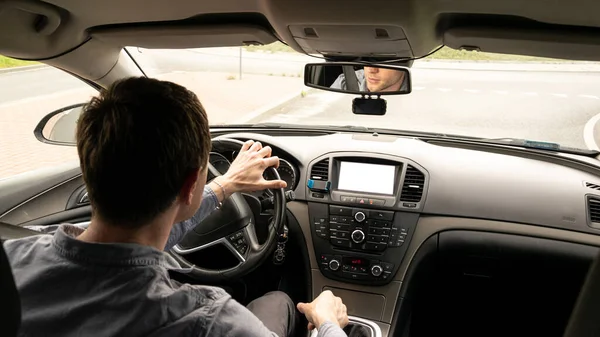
x: 359, y: 327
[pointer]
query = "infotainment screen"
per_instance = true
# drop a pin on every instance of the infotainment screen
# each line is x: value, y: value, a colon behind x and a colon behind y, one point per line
x: 368, y: 178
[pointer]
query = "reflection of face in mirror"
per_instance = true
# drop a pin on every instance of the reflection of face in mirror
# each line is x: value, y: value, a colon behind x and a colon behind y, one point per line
x: 374, y: 79
x: 383, y: 80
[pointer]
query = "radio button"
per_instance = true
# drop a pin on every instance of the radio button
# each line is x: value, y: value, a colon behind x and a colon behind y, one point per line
x: 340, y: 234
x: 381, y: 215
x: 340, y: 227
x: 389, y: 267
x: 336, y: 210
x: 379, y: 247
x: 341, y: 242
x: 346, y: 198
x: 376, y: 202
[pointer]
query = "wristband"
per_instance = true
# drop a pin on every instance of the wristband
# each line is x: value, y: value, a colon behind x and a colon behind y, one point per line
x: 222, y: 188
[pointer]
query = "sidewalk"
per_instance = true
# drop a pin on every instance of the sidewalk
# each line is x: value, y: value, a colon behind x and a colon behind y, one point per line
x: 225, y: 100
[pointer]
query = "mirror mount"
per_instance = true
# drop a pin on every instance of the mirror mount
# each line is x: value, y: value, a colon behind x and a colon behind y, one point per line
x: 367, y: 105
x: 58, y: 127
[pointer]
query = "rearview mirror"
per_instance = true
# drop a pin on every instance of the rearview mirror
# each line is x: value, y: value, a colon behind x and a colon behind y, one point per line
x: 59, y: 127
x: 358, y: 78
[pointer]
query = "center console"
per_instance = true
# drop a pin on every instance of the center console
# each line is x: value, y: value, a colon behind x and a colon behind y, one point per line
x: 363, y: 211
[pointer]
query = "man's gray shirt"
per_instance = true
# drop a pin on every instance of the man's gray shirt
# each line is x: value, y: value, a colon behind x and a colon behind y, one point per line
x: 73, y: 288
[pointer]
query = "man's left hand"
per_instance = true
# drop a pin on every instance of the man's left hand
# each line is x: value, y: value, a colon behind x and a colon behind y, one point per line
x: 246, y: 172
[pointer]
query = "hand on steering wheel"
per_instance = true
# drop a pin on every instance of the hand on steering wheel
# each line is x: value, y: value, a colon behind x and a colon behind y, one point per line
x: 246, y: 172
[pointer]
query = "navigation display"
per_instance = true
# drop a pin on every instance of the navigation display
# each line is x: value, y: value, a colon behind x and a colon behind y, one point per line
x: 369, y: 178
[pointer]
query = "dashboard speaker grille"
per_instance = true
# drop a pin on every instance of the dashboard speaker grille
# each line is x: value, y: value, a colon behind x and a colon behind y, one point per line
x: 594, y: 209
x: 414, y: 182
x: 320, y: 170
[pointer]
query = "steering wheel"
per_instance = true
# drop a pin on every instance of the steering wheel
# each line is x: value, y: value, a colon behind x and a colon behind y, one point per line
x: 233, y: 225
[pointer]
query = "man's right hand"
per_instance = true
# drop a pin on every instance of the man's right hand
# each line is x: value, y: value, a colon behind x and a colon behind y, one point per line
x: 326, y: 307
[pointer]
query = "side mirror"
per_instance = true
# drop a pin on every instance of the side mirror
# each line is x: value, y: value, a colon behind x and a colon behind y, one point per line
x: 358, y: 78
x: 59, y: 127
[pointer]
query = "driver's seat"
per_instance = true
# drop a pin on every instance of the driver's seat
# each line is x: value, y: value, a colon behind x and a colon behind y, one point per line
x: 10, y: 305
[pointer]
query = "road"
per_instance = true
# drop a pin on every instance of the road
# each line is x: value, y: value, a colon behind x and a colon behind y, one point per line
x: 548, y: 105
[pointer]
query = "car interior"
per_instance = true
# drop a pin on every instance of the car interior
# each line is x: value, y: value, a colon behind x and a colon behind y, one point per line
x: 419, y: 235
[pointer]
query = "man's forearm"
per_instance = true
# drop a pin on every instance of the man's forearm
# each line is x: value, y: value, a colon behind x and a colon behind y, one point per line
x: 209, y: 203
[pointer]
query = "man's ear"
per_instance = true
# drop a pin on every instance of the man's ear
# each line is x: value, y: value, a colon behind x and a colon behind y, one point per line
x: 189, y: 187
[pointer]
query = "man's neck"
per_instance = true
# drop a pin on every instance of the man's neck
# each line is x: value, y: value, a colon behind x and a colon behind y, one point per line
x: 154, y: 234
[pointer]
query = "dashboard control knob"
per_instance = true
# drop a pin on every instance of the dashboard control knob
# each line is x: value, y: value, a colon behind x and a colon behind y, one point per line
x: 360, y: 216
x: 334, y: 265
x: 358, y: 236
x: 376, y: 270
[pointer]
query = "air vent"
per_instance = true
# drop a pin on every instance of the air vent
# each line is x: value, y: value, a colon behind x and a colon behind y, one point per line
x: 414, y: 182
x: 594, y: 209
x: 592, y: 186
x: 320, y: 171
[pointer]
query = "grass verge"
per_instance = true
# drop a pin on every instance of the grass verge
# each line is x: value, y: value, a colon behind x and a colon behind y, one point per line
x: 7, y: 62
x: 445, y: 53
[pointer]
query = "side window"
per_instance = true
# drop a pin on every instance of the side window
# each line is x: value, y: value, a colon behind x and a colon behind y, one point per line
x: 30, y: 92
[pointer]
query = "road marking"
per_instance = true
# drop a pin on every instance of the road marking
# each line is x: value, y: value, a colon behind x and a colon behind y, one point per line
x: 530, y: 93
x: 588, y: 133
x: 560, y: 95
x: 473, y: 91
x: 500, y: 92
x: 589, y: 96
x: 443, y: 89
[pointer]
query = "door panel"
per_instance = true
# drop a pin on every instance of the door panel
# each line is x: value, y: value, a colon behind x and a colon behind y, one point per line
x: 44, y: 197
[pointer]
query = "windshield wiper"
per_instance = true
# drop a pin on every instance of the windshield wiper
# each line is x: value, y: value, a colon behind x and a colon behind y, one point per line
x: 539, y: 145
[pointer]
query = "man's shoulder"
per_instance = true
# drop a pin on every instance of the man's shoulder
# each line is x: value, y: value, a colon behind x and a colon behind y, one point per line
x: 18, y: 247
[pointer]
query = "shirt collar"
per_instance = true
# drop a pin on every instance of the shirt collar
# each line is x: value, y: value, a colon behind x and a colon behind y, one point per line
x: 109, y: 254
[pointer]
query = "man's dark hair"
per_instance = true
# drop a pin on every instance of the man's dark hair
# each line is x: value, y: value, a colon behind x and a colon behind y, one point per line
x: 137, y: 142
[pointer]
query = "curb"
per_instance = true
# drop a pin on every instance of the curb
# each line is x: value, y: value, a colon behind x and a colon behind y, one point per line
x: 266, y: 108
x: 22, y: 68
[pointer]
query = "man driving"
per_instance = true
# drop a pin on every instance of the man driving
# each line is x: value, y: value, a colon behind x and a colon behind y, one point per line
x: 375, y: 79
x: 143, y: 146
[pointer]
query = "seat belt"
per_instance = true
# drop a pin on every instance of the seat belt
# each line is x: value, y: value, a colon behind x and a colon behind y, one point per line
x: 351, y: 80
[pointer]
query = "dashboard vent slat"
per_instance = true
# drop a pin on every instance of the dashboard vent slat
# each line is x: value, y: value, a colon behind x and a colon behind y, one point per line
x: 594, y: 209
x: 592, y: 186
x: 414, y: 182
x: 320, y: 170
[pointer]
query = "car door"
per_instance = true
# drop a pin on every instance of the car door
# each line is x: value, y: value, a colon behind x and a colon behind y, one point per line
x: 40, y: 184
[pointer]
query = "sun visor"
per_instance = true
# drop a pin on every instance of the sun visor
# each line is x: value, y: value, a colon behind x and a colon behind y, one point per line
x: 179, y: 37
x: 574, y: 45
x: 352, y: 40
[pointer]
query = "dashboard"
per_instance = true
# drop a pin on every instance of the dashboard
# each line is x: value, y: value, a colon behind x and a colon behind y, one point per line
x: 366, y: 205
x: 364, y: 196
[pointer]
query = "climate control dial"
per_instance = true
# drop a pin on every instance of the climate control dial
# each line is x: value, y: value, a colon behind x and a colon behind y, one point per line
x: 334, y: 265
x: 376, y: 270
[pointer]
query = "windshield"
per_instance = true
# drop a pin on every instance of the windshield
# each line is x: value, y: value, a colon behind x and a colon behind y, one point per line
x: 454, y: 92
